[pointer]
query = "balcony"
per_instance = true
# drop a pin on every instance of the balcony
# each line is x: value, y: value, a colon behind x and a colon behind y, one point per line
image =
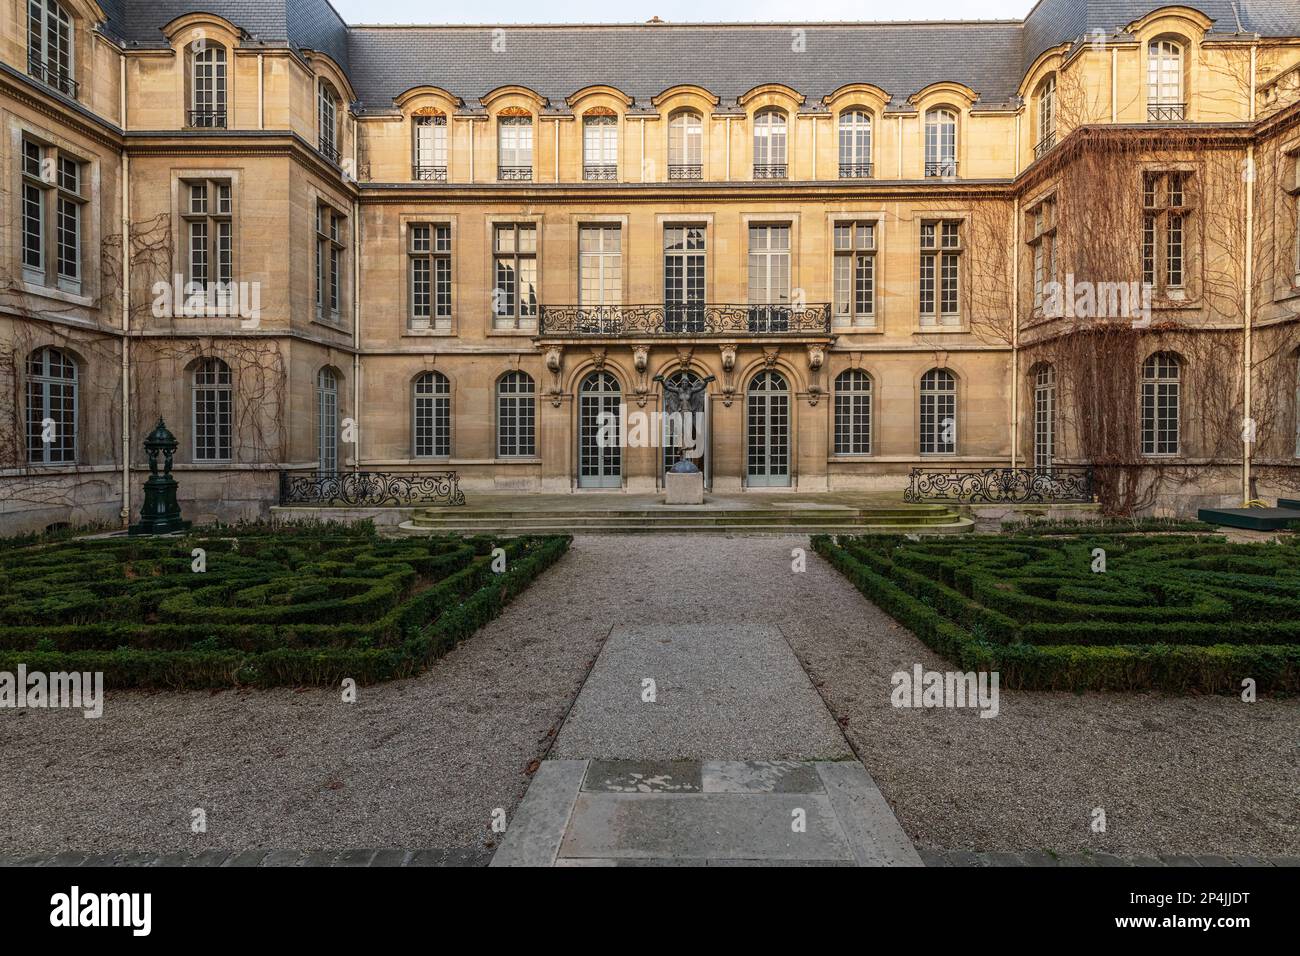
x: 1166, y: 112
x: 515, y: 174
x: 52, y: 77
x: 1045, y: 144
x: 687, y: 320
x: 329, y: 150
x: 206, y: 119
x: 941, y: 169
x: 429, y: 174
x: 688, y: 171
x: 600, y: 172
x: 855, y: 170
x: 770, y: 171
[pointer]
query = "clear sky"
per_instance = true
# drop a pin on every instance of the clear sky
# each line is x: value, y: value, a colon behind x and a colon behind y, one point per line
x: 674, y: 11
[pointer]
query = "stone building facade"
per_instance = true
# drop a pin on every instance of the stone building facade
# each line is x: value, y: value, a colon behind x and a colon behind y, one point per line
x: 310, y: 246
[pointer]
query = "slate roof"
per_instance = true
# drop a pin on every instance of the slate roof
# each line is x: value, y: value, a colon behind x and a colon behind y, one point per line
x: 642, y: 60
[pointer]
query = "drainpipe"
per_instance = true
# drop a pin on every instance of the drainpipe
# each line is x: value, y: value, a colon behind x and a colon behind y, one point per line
x: 126, y: 311
x: 261, y: 94
x: 1247, y: 354
x: 1015, y: 329
x: 356, y: 334
x: 1114, y: 84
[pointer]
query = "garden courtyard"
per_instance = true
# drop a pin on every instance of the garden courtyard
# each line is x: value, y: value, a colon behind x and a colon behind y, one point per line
x: 753, y: 661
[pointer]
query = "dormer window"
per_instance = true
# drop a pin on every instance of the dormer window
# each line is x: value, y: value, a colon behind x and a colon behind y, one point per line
x: 430, y: 135
x: 49, y: 45
x: 515, y: 148
x: 327, y: 114
x: 941, y: 142
x: 770, y: 145
x: 600, y: 147
x: 1165, y: 102
x: 1046, y: 116
x: 685, y: 145
x: 207, y: 86
x: 855, y: 144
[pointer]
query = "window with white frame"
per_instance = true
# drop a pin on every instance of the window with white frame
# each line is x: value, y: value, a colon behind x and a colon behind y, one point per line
x: 429, y: 258
x: 685, y: 261
x: 1046, y: 116
x: 516, y: 416
x: 208, y: 214
x: 769, y: 278
x: 212, y: 406
x: 938, y: 413
x: 600, y: 147
x: 327, y: 118
x: 1161, y: 375
x: 1044, y: 417
x: 941, y: 142
x: 1040, y: 232
x: 53, y: 191
x: 1166, y: 207
x: 770, y: 145
x: 515, y: 148
x: 1165, y: 103
x: 329, y: 263
x: 50, y: 45
x: 514, y: 267
x: 855, y: 144
x: 940, y: 289
x: 327, y: 421
x: 51, y: 407
x: 853, y: 413
x: 207, y: 85
x: 430, y: 145
x: 431, y: 416
x: 855, y: 274
x: 600, y: 265
x: 685, y: 145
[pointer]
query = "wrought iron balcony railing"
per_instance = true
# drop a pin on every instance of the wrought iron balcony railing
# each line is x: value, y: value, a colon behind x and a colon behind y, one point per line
x: 206, y: 119
x: 52, y: 77
x: 514, y: 174
x: 855, y: 170
x: 1072, y: 483
x: 1044, y: 144
x: 634, y: 321
x: 770, y: 171
x: 1166, y: 112
x: 329, y: 150
x: 687, y: 171
x: 600, y: 172
x: 944, y: 168
x: 429, y: 174
x: 325, y: 489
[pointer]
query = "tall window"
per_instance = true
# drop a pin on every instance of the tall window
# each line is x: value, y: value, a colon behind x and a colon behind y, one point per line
x: 938, y: 413
x: 431, y: 416
x: 430, y: 271
x: 327, y: 117
x: 1041, y: 232
x: 327, y: 421
x: 515, y: 148
x: 600, y: 147
x: 514, y: 259
x: 1046, y: 116
x: 51, y: 407
x: 941, y: 142
x: 1165, y: 209
x: 684, y: 269
x: 212, y: 404
x: 940, y: 272
x: 685, y: 145
x: 50, y: 46
x: 208, y: 214
x: 1165, y: 82
x: 855, y: 273
x: 516, y: 416
x: 1160, y: 387
x: 769, y: 278
x: 207, y: 85
x: 855, y: 144
x: 1044, y: 417
x: 853, y: 413
x: 600, y: 265
x: 53, y: 191
x: 770, y: 145
x: 329, y: 263
x: 430, y: 145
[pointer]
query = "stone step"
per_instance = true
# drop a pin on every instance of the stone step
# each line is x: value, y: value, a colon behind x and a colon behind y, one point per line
x: 711, y: 520
x: 958, y: 526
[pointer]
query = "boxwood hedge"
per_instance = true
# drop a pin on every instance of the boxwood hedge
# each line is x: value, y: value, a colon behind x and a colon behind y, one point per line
x: 270, y: 608
x: 1180, y: 614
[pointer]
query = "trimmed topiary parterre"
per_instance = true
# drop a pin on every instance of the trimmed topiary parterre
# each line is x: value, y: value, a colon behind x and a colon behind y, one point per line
x: 1175, y: 613
x: 292, y: 606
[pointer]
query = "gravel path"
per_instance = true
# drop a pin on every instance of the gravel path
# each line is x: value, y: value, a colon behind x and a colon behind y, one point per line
x: 424, y: 762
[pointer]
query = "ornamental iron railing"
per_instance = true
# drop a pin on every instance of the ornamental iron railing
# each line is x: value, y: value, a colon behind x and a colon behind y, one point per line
x: 1166, y: 112
x: 770, y: 171
x: 429, y: 174
x: 944, y: 169
x: 514, y: 174
x: 1001, y: 485
x: 370, y: 488
x: 855, y: 170
x: 52, y: 76
x: 600, y: 172
x: 206, y: 119
x: 685, y: 171
x: 1044, y: 144
x: 614, y: 321
x: 329, y: 150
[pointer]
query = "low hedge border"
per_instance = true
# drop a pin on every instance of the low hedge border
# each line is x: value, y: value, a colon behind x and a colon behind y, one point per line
x: 1176, y: 668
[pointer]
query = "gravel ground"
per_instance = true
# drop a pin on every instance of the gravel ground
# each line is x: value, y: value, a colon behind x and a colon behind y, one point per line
x: 424, y: 762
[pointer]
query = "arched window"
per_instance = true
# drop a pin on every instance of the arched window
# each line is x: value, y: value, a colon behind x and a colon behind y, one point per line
x: 1046, y: 116
x: 853, y: 413
x: 207, y: 85
x: 51, y: 407
x: 431, y: 416
x: 327, y: 116
x: 685, y: 145
x: 855, y: 144
x: 50, y: 46
x: 769, y: 145
x: 1165, y: 102
x: 516, y: 416
x: 941, y: 142
x: 1160, y: 398
x: 1044, y: 417
x: 938, y: 413
x: 429, y: 142
x: 212, y: 404
x: 515, y: 148
x: 600, y: 147
x: 327, y: 421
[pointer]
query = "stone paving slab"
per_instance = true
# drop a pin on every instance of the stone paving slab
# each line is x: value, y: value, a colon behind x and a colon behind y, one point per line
x: 761, y: 776
x: 534, y: 835
x: 633, y: 776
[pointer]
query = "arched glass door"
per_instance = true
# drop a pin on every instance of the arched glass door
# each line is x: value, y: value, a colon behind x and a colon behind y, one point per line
x: 600, y: 451
x: 768, y: 409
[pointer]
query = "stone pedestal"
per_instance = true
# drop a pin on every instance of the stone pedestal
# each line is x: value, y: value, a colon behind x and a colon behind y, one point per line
x: 684, y: 488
